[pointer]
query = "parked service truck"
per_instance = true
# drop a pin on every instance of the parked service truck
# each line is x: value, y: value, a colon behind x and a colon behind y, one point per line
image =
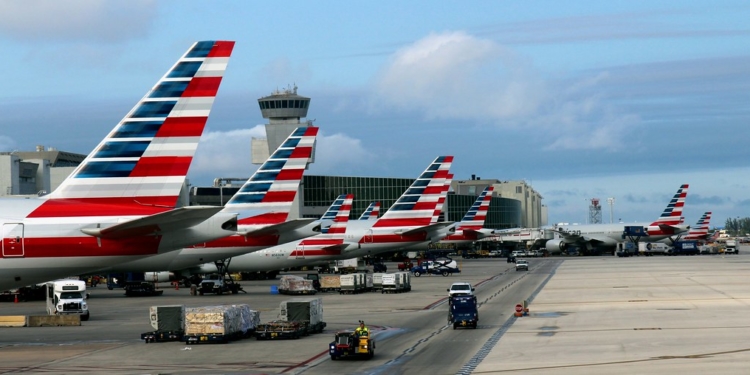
x: 731, y: 247
x: 462, y: 311
x: 67, y: 297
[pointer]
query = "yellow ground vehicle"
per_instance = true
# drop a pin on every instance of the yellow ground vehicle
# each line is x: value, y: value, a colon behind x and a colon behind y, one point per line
x: 351, y: 344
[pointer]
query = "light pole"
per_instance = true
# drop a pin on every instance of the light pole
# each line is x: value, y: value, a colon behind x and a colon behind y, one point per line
x: 611, y: 202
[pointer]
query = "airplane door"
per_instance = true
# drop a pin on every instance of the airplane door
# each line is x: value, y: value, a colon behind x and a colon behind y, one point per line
x: 368, y: 236
x: 300, y: 251
x: 13, y: 240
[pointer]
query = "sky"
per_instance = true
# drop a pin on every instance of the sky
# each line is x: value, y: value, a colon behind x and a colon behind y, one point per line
x: 581, y: 99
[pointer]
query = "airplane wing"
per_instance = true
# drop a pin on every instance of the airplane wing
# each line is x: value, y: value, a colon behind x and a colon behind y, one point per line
x: 337, y: 247
x: 286, y: 226
x: 426, y: 228
x: 674, y: 228
x: 177, y: 218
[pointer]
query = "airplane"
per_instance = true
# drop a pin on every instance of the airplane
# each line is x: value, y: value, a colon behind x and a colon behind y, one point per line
x: 470, y: 228
x: 408, y: 221
x: 262, y: 204
x: 592, y: 237
x: 120, y: 203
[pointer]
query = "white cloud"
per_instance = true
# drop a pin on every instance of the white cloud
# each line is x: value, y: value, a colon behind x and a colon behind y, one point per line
x: 457, y: 76
x: 339, y: 154
x: 227, y: 154
x: 76, y: 20
x: 224, y: 154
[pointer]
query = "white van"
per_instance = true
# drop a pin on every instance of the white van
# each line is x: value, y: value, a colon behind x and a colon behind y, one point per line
x: 67, y: 297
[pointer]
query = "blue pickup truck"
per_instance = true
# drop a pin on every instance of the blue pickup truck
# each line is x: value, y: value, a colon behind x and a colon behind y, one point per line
x: 437, y: 270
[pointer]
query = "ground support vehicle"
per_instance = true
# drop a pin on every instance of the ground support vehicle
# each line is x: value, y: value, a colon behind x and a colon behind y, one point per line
x: 306, y: 311
x: 439, y: 270
x: 218, y: 284
x: 688, y: 247
x: 349, y: 344
x: 214, y: 324
x: 315, y: 278
x: 67, y: 297
x: 731, y: 247
x: 405, y: 265
x: 141, y: 289
x: 462, y: 311
x: 522, y: 265
x: 279, y: 329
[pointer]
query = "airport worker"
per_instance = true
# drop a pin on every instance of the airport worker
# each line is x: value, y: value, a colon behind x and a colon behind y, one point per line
x: 362, y: 330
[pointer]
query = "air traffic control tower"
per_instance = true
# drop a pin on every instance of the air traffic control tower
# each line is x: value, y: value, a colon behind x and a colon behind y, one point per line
x: 284, y: 110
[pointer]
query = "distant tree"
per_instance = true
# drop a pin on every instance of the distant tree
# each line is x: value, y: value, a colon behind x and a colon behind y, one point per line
x: 738, y: 227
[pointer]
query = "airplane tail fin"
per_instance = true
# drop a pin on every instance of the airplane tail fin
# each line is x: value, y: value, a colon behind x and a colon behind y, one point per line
x: 701, y: 228
x: 332, y: 211
x: 441, y: 200
x: 474, y: 219
x: 334, y: 238
x: 267, y: 196
x: 672, y: 215
x: 371, y: 212
x: 143, y: 161
x: 416, y: 207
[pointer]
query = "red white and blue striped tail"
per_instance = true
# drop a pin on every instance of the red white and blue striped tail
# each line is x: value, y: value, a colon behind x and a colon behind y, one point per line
x: 334, y: 239
x: 371, y: 212
x: 474, y: 219
x: 416, y: 207
x: 267, y: 196
x: 672, y: 215
x: 442, y: 199
x: 145, y: 158
x: 700, y: 231
x: 332, y: 211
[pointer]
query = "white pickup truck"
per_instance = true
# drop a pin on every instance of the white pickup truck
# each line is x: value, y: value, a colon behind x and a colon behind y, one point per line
x: 522, y: 265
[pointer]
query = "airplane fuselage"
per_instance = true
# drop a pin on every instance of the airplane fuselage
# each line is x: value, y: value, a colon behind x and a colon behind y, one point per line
x: 38, y: 246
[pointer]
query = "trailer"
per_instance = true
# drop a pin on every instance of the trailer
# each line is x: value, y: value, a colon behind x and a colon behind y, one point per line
x: 279, y: 329
x: 168, y: 322
x: 377, y: 281
x: 213, y: 324
x: 307, y: 311
x: 350, y: 284
x: 391, y: 283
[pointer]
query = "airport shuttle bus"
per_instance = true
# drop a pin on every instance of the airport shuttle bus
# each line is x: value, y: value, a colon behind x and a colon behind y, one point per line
x: 67, y: 297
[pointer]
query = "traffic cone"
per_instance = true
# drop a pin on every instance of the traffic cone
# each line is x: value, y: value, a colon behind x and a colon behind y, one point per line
x: 176, y: 285
x: 15, y: 300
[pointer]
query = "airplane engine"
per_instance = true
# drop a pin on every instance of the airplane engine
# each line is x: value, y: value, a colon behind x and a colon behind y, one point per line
x: 555, y: 246
x: 159, y: 276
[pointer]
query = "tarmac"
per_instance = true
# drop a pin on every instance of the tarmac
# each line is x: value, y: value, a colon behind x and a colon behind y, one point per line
x: 640, y: 315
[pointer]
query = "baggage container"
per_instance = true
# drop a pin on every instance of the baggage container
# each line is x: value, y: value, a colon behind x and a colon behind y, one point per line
x: 391, y: 283
x: 167, y: 318
x: 304, y: 310
x: 212, y: 324
x: 377, y: 280
x: 329, y: 283
x: 292, y: 284
x: 349, y: 284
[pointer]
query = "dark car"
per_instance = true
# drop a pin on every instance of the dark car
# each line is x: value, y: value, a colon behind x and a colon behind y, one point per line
x: 511, y: 259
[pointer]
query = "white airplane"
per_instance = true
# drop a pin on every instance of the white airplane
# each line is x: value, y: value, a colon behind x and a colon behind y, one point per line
x: 410, y: 220
x: 119, y: 203
x: 596, y: 236
x: 263, y: 205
